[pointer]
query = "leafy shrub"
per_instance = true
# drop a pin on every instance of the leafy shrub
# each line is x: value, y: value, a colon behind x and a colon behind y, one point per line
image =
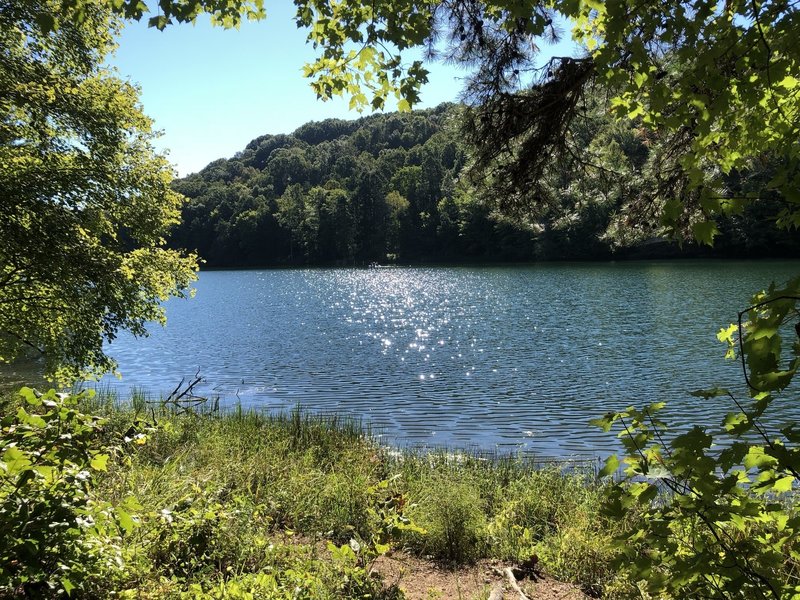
x: 57, y: 536
x: 581, y: 553
x: 507, y: 534
x: 204, y: 532
x: 720, y: 516
x: 717, y: 521
x: 536, y: 505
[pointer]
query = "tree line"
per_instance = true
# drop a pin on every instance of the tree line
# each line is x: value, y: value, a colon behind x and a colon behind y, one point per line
x: 403, y: 187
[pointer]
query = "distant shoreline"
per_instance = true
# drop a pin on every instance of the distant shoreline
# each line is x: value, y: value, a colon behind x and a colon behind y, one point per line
x: 498, y: 263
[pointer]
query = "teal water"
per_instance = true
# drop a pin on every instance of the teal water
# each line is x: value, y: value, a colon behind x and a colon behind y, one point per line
x: 492, y: 358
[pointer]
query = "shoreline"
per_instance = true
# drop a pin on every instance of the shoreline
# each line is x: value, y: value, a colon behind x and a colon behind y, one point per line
x: 511, y: 264
x: 327, y: 501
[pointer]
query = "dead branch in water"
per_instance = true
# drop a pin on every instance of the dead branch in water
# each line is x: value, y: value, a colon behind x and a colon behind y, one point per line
x: 183, y: 398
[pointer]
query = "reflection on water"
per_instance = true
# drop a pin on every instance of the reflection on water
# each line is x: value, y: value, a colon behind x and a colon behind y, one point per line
x: 502, y: 358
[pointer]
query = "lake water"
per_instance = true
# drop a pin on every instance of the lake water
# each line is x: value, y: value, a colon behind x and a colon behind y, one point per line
x: 492, y: 358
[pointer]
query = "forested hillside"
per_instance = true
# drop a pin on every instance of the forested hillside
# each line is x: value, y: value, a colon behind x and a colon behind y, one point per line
x: 396, y: 188
x: 384, y: 187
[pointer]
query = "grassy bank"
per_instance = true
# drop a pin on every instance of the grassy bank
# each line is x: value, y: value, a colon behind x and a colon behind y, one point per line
x: 155, y: 504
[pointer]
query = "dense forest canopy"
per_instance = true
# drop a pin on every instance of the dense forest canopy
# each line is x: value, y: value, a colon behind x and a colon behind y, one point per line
x: 402, y: 187
x: 386, y: 187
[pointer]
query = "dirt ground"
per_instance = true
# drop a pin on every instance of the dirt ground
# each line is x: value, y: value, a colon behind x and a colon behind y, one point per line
x: 425, y: 580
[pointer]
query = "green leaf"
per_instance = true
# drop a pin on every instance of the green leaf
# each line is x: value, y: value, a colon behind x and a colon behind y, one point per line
x: 16, y: 460
x: 382, y: 549
x: 704, y: 232
x: 68, y: 585
x: 29, y: 396
x: 605, y: 422
x: 737, y: 423
x: 159, y: 22
x: 36, y: 421
x: 756, y: 458
x: 611, y: 466
x: 99, y: 462
x: 45, y: 471
x: 125, y: 520
x: 738, y: 521
x: 696, y: 439
x: 671, y: 212
x: 726, y: 334
x: 636, y: 111
x: 784, y: 484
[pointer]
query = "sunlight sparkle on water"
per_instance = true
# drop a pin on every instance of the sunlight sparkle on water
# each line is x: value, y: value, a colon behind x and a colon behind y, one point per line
x: 529, y: 349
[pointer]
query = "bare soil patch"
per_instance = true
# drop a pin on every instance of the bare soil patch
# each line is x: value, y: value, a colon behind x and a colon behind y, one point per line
x: 426, y: 580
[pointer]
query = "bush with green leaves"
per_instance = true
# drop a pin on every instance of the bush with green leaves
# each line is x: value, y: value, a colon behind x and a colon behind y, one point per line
x: 205, y: 531
x: 57, y: 536
x: 388, y: 523
x: 553, y: 515
x: 720, y: 508
x: 293, y: 571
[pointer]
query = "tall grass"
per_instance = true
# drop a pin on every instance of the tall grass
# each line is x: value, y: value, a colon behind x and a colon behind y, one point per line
x: 226, y: 495
x: 510, y: 509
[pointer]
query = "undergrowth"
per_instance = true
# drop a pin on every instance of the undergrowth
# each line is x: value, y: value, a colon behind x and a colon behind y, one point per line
x: 251, y: 505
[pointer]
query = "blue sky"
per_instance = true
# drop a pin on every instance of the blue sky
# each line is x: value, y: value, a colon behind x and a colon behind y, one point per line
x: 212, y: 90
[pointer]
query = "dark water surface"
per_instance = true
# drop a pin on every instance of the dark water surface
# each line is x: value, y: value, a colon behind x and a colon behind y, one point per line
x: 497, y: 358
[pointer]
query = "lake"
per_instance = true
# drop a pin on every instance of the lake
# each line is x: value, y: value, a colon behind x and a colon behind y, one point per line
x: 515, y: 358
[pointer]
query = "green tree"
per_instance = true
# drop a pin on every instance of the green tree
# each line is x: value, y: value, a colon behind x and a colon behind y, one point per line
x: 85, y: 201
x: 337, y: 226
x: 298, y: 213
x: 397, y: 209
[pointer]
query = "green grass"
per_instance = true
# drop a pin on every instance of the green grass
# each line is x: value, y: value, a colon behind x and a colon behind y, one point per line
x: 507, y: 509
x: 238, y: 502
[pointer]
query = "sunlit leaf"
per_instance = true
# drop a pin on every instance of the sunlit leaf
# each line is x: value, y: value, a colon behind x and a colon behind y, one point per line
x: 611, y: 466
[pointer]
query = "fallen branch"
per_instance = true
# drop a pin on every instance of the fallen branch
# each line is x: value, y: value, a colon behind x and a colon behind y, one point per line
x: 508, y: 573
x: 497, y: 592
x: 183, y: 398
x: 512, y: 581
x: 188, y: 393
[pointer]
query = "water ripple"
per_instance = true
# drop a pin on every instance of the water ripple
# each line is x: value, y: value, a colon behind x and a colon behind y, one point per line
x: 504, y: 358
